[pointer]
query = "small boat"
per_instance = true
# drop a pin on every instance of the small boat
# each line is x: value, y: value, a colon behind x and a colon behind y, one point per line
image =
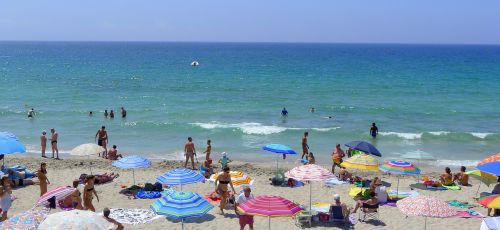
x: 195, y: 63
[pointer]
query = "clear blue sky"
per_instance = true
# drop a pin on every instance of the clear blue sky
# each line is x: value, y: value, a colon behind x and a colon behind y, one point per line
x: 353, y: 21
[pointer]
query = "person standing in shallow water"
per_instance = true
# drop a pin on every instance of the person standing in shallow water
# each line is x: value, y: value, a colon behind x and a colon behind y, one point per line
x: 189, y: 152
x: 111, y: 114
x: 124, y: 113
x: 105, y: 113
x: 374, y: 130
x: 305, y: 147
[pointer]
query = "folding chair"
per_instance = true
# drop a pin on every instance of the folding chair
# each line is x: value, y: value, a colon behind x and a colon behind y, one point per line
x: 369, y: 211
x: 303, y: 217
x: 337, y: 214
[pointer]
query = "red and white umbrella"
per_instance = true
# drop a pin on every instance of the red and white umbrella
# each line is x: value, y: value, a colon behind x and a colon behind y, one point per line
x: 426, y: 206
x: 60, y: 193
x: 309, y: 172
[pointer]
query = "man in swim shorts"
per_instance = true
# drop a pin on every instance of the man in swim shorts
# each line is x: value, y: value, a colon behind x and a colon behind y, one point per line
x: 374, y: 130
x: 305, y: 147
x: 53, y: 142
x: 189, y: 152
x: 102, y: 139
x: 337, y: 156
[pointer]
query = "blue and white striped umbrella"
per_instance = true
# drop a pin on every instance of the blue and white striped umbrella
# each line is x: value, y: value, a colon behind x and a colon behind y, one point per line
x: 9, y: 144
x: 182, y: 205
x: 132, y: 162
x: 180, y: 176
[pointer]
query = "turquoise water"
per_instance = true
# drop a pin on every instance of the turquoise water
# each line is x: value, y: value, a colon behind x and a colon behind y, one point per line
x: 434, y: 98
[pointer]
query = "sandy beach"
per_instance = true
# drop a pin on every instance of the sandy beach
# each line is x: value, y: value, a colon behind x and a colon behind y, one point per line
x: 63, y: 172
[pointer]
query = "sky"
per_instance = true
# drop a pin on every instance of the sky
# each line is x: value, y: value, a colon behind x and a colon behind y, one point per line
x: 325, y: 21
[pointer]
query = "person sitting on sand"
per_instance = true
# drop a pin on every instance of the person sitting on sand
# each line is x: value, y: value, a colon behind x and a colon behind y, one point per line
x: 18, y: 179
x: 42, y: 178
x: 113, y: 154
x: 311, y: 159
x: 372, y: 201
x: 445, y: 179
x: 221, y: 187
x: 106, y: 213
x: 380, y: 191
x: 76, y: 196
x: 206, y: 168
x: 344, y: 175
x: 461, y: 178
x: 88, y: 193
x: 337, y: 156
x: 224, y: 160
x: 345, y: 209
x: 5, y: 201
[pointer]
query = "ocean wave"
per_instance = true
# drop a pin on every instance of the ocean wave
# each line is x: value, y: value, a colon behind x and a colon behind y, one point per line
x: 441, y: 134
x: 407, y: 136
x: 481, y: 135
x: 454, y: 163
x: 256, y: 128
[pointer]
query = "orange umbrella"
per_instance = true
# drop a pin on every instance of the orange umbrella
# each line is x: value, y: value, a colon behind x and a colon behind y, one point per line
x: 489, y: 159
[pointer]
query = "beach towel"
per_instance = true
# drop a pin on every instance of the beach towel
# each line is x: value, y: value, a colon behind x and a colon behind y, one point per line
x: 334, y: 181
x: 468, y: 214
x: 133, y: 216
x: 401, y: 194
x: 453, y: 187
x: 456, y: 203
x: 148, y: 194
x: 321, y: 207
x: 425, y: 187
x: 355, y: 191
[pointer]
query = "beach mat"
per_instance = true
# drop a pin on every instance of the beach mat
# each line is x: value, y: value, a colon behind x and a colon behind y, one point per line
x: 468, y: 214
x: 393, y: 195
x: 334, y: 181
x: 133, y: 216
x: 425, y: 187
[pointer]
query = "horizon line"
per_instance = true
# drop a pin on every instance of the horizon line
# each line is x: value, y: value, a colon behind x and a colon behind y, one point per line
x: 256, y: 42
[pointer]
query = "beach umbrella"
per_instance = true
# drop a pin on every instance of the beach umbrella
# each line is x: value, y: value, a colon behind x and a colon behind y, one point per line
x: 490, y: 201
x: 309, y: 172
x: 361, y: 161
x: 484, y: 177
x: 132, y: 162
x: 238, y: 178
x: 59, y: 193
x: 89, y: 149
x: 280, y: 149
x: 489, y: 159
x: 270, y: 207
x: 491, y: 167
x: 180, y: 176
x: 28, y: 220
x: 365, y: 147
x: 426, y: 206
x: 74, y: 220
x: 399, y: 167
x: 10, y: 144
x: 182, y: 205
x: 418, y: 155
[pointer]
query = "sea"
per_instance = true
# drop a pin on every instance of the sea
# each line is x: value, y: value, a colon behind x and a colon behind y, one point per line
x: 443, y: 100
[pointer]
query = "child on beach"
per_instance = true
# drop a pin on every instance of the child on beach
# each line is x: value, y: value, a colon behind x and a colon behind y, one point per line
x: 5, y: 201
x: 224, y: 160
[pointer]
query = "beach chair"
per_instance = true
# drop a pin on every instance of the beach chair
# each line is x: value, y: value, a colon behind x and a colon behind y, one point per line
x: 302, y: 218
x: 369, y: 211
x: 337, y: 215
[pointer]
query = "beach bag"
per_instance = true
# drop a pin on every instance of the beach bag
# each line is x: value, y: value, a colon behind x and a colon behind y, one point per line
x: 158, y: 187
x: 291, y: 182
x: 324, y: 217
x: 149, y: 187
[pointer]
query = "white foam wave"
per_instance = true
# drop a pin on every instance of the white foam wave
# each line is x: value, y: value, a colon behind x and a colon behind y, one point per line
x: 440, y: 133
x: 455, y: 163
x: 481, y: 135
x: 256, y: 128
x: 407, y: 136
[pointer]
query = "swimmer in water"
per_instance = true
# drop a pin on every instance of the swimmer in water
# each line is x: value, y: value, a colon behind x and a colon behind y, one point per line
x: 312, y: 110
x: 111, y: 114
x: 124, y: 113
x: 106, y: 113
x: 284, y: 112
x: 374, y: 130
x: 90, y: 114
x: 31, y: 113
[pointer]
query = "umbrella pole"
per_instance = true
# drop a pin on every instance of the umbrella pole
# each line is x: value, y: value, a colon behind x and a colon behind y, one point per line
x: 133, y: 175
x: 397, y: 189
x: 90, y: 165
x: 425, y: 223
x: 269, y: 222
x: 277, y: 157
x: 182, y: 221
x: 310, y: 200
x: 478, y: 189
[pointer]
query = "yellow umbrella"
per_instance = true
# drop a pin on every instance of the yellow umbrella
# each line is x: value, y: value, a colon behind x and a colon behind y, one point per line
x: 238, y: 178
x: 362, y: 161
x: 484, y: 177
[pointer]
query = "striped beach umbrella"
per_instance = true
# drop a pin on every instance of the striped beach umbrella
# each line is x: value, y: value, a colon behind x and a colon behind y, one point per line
x: 484, y: 177
x: 269, y: 206
x: 361, y: 161
x: 132, y: 162
x: 280, y: 149
x: 74, y: 219
x: 426, y: 206
x: 490, y: 202
x: 238, y: 178
x: 309, y: 172
x: 490, y: 167
x: 180, y: 176
x: 59, y: 193
x: 399, y: 167
x: 489, y: 159
x: 182, y: 205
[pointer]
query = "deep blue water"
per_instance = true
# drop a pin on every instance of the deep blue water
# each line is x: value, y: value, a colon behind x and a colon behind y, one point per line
x: 441, y: 99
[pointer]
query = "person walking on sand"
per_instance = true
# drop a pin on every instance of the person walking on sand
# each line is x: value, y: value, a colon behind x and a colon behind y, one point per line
x: 305, y: 147
x: 189, y: 152
x: 208, y: 150
x: 53, y: 142
x: 89, y: 192
x: 43, y: 142
x: 337, y: 156
x: 102, y: 139
x: 221, y: 187
x: 242, y: 198
x: 76, y: 196
x: 374, y: 130
x: 124, y: 113
x: 42, y: 177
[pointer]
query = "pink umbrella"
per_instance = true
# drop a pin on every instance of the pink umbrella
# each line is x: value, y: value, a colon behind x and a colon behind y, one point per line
x: 309, y: 172
x: 426, y: 206
x: 59, y: 193
x: 269, y: 206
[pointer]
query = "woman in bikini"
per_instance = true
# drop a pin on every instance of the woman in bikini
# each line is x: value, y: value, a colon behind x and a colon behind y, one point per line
x: 89, y: 192
x: 42, y: 177
x: 76, y: 197
x: 221, y: 187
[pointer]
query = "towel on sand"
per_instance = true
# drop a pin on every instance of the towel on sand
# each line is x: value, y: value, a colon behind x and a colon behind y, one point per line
x: 401, y: 194
x: 334, y: 181
x: 456, y: 203
x: 432, y: 188
x: 133, y: 216
x: 468, y: 214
